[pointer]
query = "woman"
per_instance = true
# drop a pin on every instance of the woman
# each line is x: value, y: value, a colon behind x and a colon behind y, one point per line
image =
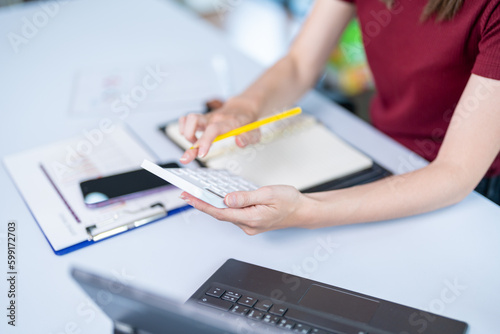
x: 436, y: 67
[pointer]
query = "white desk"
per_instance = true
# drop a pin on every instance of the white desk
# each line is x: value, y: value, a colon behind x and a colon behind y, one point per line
x: 406, y: 261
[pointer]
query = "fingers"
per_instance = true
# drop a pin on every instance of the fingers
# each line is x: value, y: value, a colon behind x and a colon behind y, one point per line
x: 182, y: 124
x: 188, y: 125
x: 248, y: 138
x: 200, y: 205
x: 213, y: 125
x: 229, y: 215
x: 206, y: 139
x: 242, y: 199
x: 248, y: 219
x: 188, y: 156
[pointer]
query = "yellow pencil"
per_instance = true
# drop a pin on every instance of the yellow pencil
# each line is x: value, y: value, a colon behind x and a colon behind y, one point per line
x: 257, y: 124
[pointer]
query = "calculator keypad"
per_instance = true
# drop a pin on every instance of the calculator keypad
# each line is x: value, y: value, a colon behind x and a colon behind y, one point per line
x: 218, y: 182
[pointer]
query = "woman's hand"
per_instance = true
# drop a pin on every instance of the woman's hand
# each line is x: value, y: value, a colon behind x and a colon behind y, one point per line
x: 234, y: 113
x: 265, y: 209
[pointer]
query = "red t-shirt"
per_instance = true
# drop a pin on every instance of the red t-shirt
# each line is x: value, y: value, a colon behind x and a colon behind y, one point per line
x: 421, y: 69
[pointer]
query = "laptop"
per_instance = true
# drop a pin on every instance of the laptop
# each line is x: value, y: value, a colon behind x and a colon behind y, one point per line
x: 244, y: 298
x: 137, y: 311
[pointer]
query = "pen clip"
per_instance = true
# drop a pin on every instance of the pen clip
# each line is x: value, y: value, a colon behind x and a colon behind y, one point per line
x: 126, y: 220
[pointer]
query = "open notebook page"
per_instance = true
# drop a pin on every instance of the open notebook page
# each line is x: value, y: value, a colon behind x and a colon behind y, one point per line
x: 304, y: 153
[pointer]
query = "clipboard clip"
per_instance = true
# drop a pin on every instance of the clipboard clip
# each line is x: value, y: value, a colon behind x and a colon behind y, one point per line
x: 126, y: 220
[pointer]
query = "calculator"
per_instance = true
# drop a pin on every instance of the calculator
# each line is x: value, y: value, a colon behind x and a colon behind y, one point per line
x: 209, y: 185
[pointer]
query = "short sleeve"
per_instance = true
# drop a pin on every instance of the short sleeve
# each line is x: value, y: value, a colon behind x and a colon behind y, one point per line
x: 487, y: 62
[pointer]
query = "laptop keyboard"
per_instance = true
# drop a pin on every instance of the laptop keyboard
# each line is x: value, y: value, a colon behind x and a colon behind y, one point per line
x: 262, y: 310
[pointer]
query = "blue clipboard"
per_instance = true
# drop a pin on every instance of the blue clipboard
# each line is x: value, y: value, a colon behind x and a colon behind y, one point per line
x: 54, y: 201
x: 117, y: 232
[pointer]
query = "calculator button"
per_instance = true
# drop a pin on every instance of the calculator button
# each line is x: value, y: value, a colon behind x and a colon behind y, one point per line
x: 263, y: 305
x: 205, y: 183
x: 233, y: 181
x: 233, y: 188
x: 194, y: 177
x: 215, y: 291
x: 216, y: 303
x: 278, y: 310
x: 248, y: 301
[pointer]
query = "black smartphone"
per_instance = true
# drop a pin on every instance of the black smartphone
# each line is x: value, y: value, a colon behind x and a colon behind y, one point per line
x: 119, y: 187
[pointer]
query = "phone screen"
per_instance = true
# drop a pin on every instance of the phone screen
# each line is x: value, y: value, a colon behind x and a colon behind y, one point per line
x: 110, y: 189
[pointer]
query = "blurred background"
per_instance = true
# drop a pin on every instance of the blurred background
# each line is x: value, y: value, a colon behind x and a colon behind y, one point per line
x: 263, y: 30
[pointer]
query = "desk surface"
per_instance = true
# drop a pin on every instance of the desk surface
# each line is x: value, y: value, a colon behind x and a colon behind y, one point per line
x: 445, y: 261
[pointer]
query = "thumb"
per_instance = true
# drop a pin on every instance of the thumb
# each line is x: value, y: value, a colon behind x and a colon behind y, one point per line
x: 247, y: 138
x: 241, y: 199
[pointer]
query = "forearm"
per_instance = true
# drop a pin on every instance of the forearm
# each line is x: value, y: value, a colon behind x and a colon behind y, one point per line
x: 424, y: 190
x: 279, y: 87
x: 468, y: 150
x: 285, y: 82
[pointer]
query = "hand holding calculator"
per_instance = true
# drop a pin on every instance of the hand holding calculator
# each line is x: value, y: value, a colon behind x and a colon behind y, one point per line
x: 208, y: 185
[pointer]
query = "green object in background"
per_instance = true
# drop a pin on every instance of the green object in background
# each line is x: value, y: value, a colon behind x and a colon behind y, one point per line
x: 347, y: 66
x: 351, y: 44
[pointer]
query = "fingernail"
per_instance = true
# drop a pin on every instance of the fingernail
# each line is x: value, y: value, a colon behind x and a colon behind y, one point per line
x: 202, y: 152
x: 184, y: 157
x: 241, y: 141
x: 230, y: 200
